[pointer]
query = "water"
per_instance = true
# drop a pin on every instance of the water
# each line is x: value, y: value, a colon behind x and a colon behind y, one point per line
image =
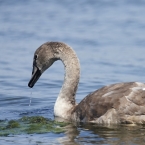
x: 108, y: 37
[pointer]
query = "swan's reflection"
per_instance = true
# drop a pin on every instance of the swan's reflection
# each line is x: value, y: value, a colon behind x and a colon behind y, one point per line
x: 88, y: 133
x: 71, y: 133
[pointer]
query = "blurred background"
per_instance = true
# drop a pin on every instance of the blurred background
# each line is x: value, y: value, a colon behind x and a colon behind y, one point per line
x: 107, y: 35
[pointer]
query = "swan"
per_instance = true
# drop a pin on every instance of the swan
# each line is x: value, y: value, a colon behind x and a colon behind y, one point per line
x: 121, y: 103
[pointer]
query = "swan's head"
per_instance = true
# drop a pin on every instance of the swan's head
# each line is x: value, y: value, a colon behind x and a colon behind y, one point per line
x: 43, y: 59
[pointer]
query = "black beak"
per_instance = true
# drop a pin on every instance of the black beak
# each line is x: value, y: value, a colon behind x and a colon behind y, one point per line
x: 36, y: 73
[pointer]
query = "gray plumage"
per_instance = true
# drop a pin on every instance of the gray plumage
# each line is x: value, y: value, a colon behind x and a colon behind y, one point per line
x: 117, y: 103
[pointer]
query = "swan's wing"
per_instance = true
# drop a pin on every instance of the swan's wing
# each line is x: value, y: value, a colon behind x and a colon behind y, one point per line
x: 116, y: 100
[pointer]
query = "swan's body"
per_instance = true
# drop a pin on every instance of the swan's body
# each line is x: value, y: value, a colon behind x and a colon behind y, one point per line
x: 118, y: 103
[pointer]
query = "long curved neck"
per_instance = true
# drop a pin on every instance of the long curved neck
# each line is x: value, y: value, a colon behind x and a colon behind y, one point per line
x: 66, y: 98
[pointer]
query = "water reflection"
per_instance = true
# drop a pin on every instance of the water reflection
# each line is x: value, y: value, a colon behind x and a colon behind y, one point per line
x: 99, y: 134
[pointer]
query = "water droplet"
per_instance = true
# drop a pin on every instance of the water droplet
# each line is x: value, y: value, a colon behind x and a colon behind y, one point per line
x: 30, y: 99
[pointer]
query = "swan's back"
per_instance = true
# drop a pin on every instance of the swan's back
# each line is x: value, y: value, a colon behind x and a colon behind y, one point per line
x: 117, y: 103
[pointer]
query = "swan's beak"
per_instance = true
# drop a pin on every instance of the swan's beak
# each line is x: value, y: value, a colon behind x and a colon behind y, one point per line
x: 36, y: 73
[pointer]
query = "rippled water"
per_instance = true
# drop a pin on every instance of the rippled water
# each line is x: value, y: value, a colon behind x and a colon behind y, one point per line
x: 108, y: 37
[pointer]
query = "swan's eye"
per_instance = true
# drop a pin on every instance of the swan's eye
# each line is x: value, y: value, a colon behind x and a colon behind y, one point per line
x: 36, y: 56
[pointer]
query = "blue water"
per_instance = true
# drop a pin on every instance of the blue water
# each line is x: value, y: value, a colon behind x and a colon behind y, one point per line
x: 109, y: 39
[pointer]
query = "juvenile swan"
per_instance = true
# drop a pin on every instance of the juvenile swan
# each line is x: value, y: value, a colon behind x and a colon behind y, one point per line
x: 117, y: 103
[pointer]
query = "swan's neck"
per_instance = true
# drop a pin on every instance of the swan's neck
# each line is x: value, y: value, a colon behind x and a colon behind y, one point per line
x: 66, y: 98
